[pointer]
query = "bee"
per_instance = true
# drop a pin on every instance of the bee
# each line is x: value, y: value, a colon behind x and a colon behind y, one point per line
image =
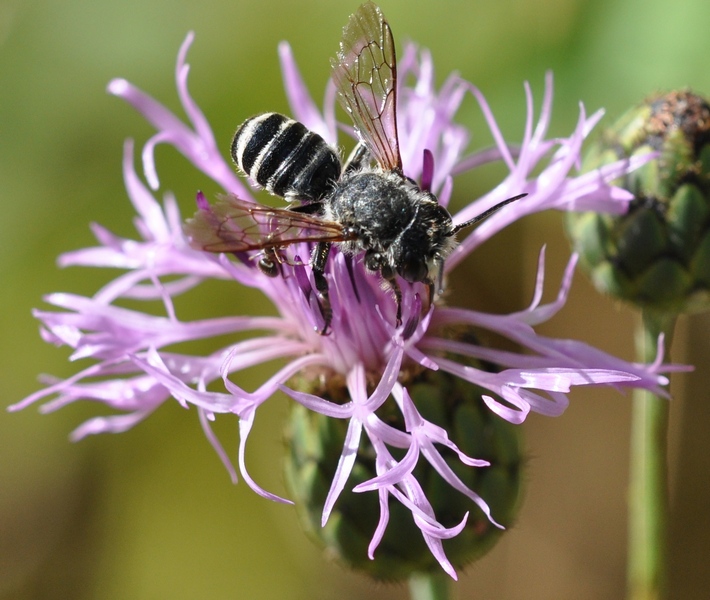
x: 370, y: 209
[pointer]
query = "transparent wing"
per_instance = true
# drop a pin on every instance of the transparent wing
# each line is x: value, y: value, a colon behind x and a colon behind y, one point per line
x: 235, y: 225
x: 365, y: 74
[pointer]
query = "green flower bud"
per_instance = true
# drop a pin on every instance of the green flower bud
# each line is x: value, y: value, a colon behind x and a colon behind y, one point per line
x: 657, y: 256
x: 316, y: 442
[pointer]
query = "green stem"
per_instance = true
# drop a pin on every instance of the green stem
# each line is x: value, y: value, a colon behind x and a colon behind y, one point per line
x: 429, y: 586
x: 648, y: 491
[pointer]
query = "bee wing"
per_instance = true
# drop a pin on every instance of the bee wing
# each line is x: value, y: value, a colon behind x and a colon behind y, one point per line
x: 235, y: 225
x: 365, y: 74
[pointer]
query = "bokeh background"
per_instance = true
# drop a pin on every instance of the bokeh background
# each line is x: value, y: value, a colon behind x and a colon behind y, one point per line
x: 151, y: 513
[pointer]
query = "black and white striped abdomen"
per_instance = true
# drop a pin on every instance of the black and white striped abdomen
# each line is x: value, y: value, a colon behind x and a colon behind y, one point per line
x: 285, y: 157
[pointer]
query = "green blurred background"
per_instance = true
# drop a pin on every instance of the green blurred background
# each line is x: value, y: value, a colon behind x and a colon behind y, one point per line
x: 151, y: 513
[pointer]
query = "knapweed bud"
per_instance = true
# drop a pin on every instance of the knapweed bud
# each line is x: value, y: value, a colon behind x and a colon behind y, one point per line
x: 316, y: 443
x: 657, y: 256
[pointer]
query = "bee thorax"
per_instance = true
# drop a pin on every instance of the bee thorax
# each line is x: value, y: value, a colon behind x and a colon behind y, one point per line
x: 401, y: 227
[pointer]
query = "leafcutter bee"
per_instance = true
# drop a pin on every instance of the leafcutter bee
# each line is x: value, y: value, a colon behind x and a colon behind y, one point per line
x: 366, y: 205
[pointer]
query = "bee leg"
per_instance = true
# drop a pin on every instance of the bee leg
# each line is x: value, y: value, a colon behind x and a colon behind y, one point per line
x: 356, y: 159
x: 269, y: 263
x: 318, y: 263
x: 392, y: 282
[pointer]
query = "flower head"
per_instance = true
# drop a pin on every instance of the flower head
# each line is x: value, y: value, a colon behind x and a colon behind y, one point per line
x: 656, y: 255
x: 137, y: 366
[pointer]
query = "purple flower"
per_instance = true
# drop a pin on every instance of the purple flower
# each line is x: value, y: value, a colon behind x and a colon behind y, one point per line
x: 135, y: 369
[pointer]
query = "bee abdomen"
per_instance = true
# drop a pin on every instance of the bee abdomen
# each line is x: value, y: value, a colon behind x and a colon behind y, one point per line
x: 285, y: 157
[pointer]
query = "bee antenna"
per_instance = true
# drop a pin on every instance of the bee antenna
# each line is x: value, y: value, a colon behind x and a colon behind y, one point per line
x: 485, y: 214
